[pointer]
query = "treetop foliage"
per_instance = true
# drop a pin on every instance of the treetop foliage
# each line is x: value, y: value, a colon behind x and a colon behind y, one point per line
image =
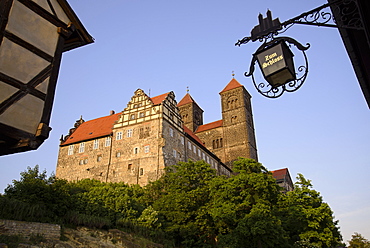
x: 190, y: 204
x: 358, y: 241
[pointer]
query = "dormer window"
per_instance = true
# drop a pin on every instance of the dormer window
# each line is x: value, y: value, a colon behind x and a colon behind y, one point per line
x: 132, y: 117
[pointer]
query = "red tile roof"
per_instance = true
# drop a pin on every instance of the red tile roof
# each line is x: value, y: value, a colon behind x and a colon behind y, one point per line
x: 209, y: 126
x: 93, y: 129
x: 188, y: 131
x: 232, y: 85
x: 159, y: 99
x: 186, y: 99
x: 280, y: 174
x: 101, y: 126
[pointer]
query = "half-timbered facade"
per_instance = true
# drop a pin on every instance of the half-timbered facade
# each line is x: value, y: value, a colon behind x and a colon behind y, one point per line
x: 33, y: 35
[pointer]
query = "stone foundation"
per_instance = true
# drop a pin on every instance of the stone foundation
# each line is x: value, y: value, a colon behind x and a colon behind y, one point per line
x: 26, y: 229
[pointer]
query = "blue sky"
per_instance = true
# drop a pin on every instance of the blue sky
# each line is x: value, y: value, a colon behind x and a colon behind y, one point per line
x: 321, y: 131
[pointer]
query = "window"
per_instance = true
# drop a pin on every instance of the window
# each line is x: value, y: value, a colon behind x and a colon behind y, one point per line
x: 108, y: 141
x: 141, y: 114
x: 199, y: 152
x: 70, y: 149
x: 136, y: 150
x: 96, y: 144
x: 182, y: 140
x: 82, y: 147
x: 132, y: 117
x: 118, y: 154
x: 141, y: 171
x: 189, y: 145
x: 129, y: 166
x: 194, y: 149
x: 83, y: 161
x: 146, y: 148
x: 217, y: 143
x: 118, y: 135
x: 171, y: 132
x: 99, y: 158
x: 174, y: 153
x: 129, y: 133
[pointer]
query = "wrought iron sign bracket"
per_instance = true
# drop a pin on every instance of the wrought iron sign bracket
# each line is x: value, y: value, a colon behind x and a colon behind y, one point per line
x: 314, y: 17
x: 275, y: 58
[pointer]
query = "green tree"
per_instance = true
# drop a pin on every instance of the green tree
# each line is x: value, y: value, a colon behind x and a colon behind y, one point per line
x: 39, y: 191
x: 242, y: 207
x: 306, y: 218
x: 358, y: 241
x: 110, y: 200
x: 180, y: 196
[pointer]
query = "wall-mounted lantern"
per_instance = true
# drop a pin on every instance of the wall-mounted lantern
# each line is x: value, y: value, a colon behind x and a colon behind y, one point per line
x: 281, y: 75
x: 33, y: 36
x: 277, y: 65
x: 275, y: 59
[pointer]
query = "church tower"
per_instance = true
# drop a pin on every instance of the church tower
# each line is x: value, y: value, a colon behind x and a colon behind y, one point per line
x: 233, y: 136
x: 237, y: 122
x: 191, y: 113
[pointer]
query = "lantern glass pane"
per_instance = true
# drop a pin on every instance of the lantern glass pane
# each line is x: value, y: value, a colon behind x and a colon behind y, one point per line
x: 24, y: 114
x: 280, y: 78
x: 6, y: 91
x: 32, y: 28
x: 271, y: 60
x: 19, y: 63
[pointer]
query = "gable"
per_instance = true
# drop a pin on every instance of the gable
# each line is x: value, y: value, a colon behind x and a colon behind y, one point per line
x: 92, y: 129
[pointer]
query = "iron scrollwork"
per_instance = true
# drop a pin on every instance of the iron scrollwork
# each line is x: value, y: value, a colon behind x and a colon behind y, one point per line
x: 265, y: 88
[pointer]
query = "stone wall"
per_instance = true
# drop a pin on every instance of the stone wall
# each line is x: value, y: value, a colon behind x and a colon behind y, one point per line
x: 26, y: 229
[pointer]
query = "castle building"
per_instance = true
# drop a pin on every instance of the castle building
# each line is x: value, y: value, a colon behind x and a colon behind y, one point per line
x: 135, y: 145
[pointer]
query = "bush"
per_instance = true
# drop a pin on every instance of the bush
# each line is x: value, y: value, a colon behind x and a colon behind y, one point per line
x: 77, y: 219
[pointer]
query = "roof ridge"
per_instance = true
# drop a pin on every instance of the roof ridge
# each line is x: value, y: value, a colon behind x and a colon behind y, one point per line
x: 232, y: 85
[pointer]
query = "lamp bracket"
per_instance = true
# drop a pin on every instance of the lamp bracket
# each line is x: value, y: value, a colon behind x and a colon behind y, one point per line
x: 350, y: 19
x: 274, y: 92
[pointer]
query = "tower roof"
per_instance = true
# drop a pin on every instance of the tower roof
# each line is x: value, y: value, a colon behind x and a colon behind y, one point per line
x: 186, y: 99
x: 231, y: 85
